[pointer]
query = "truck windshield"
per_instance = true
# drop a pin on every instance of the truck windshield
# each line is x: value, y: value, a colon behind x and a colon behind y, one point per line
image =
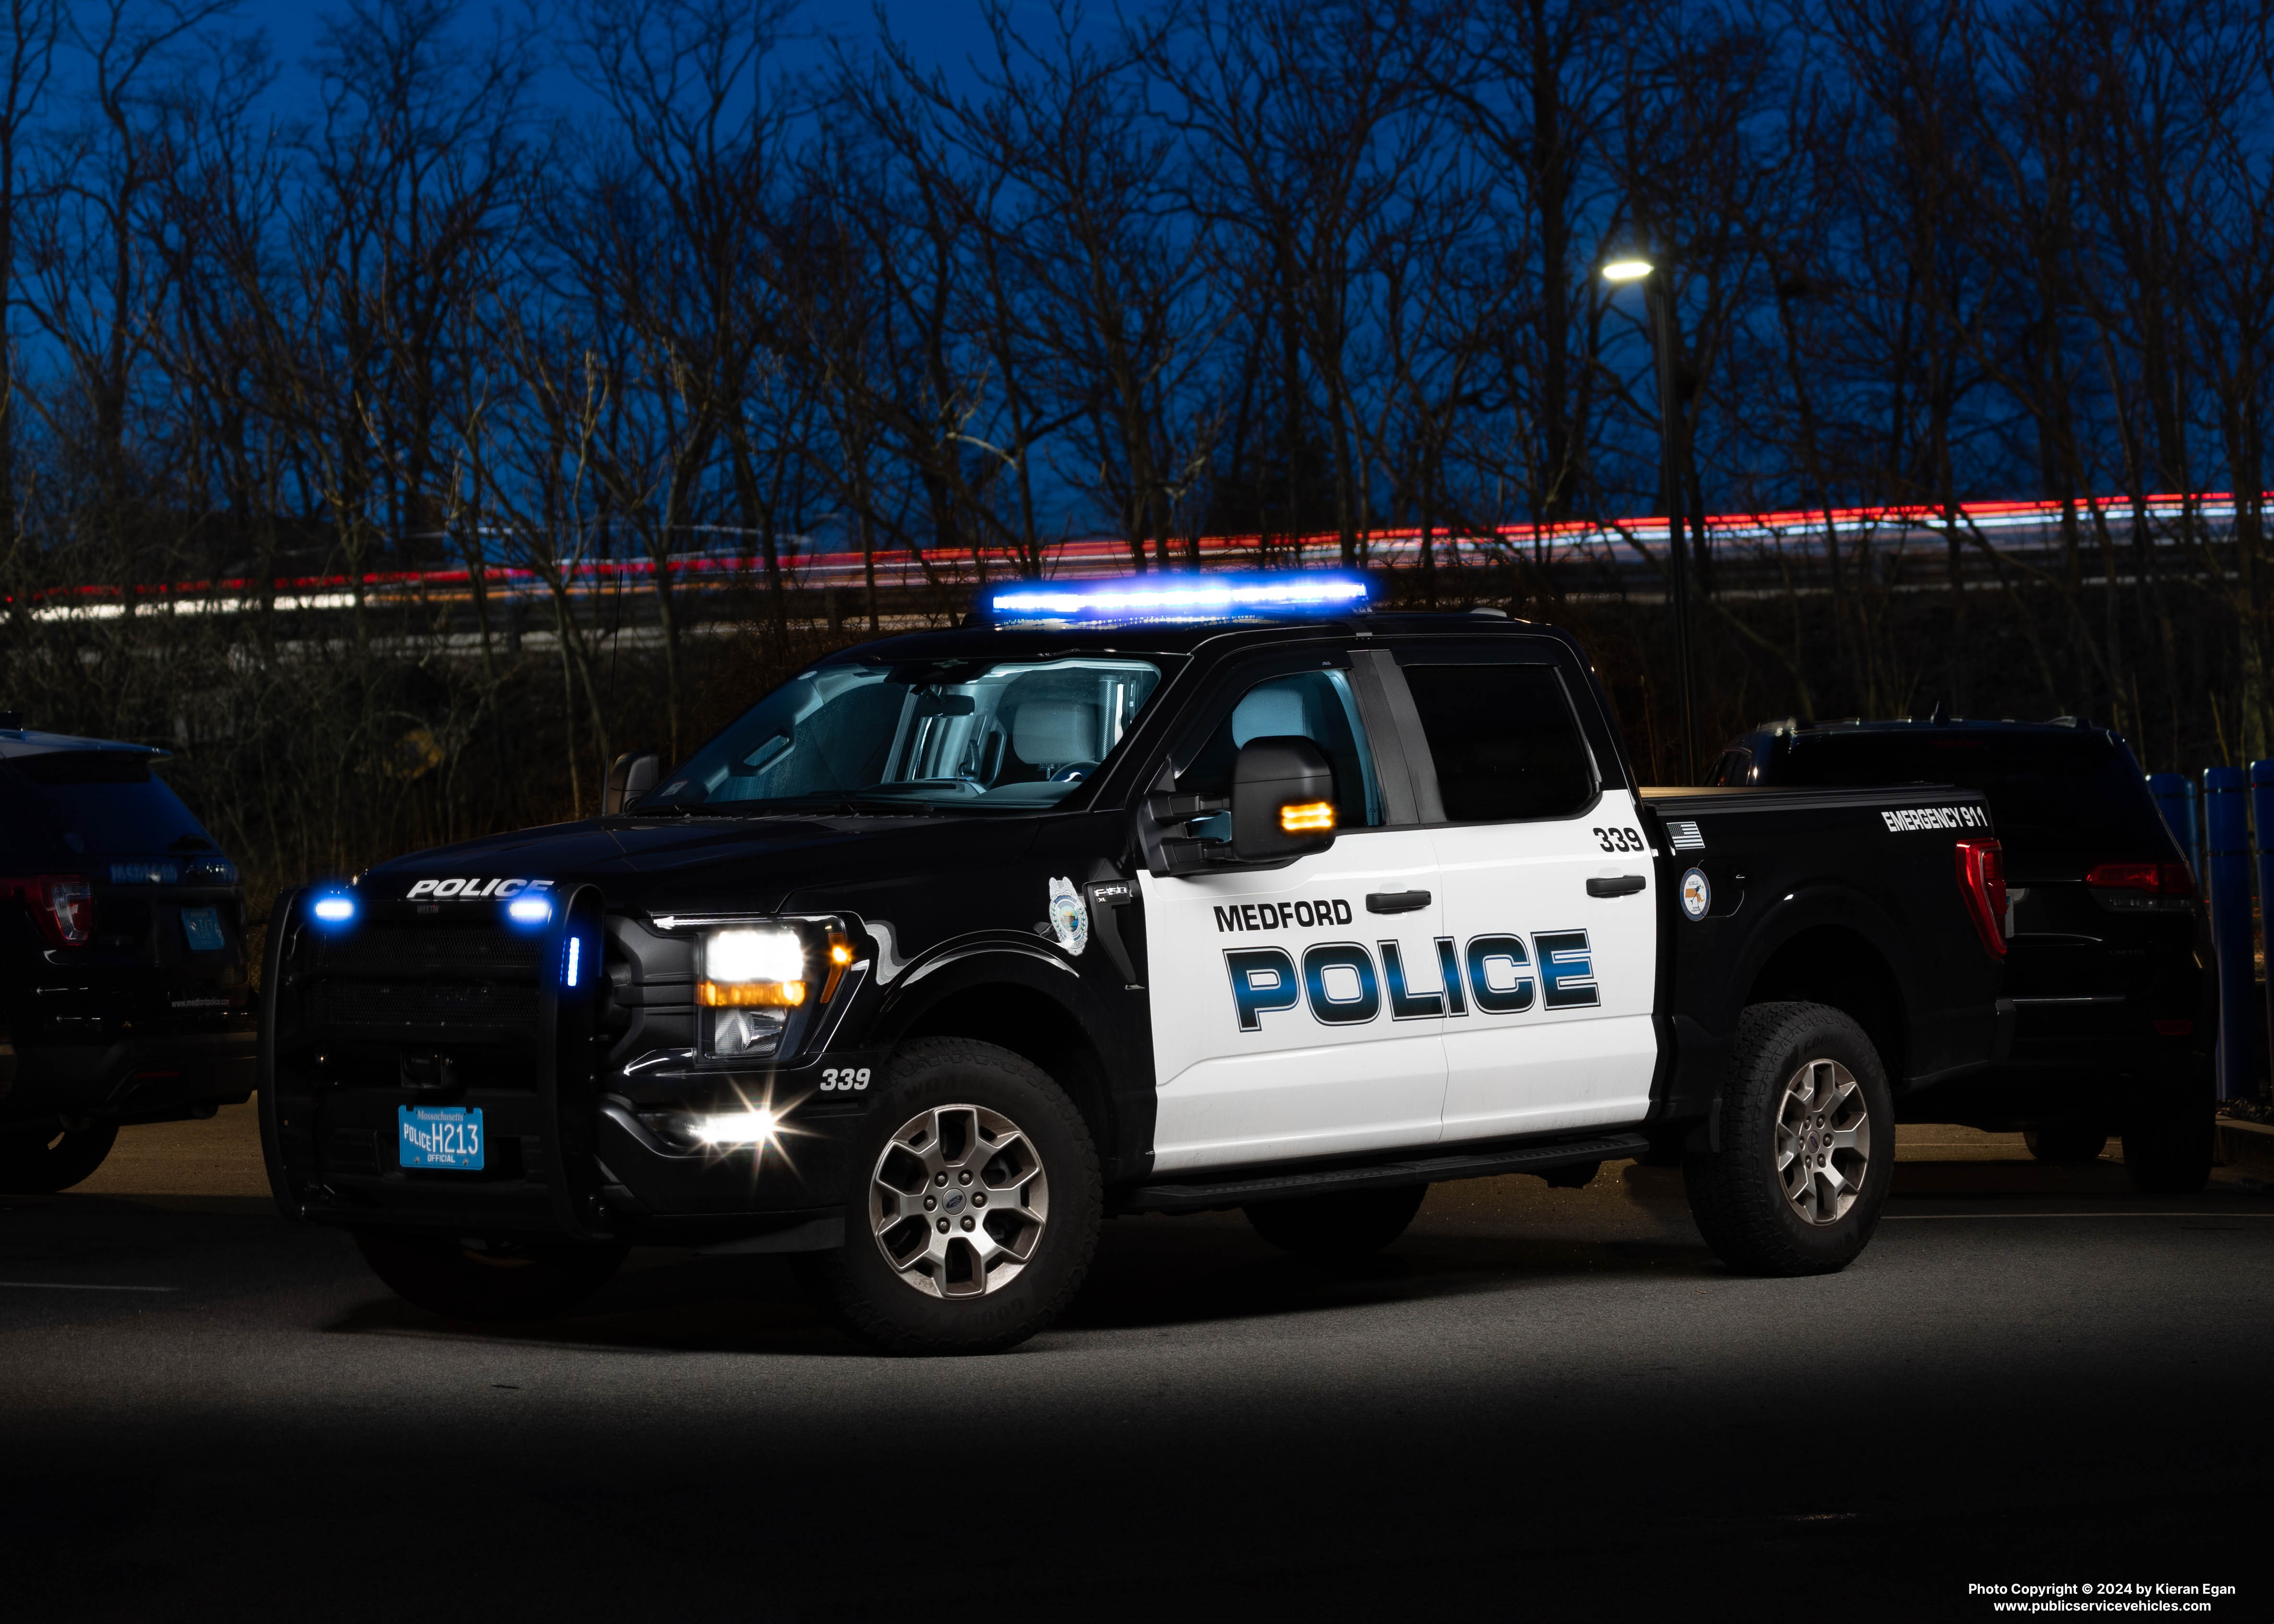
x: 943, y: 733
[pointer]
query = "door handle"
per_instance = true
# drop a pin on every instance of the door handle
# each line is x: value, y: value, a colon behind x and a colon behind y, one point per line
x: 1396, y: 901
x: 1625, y: 885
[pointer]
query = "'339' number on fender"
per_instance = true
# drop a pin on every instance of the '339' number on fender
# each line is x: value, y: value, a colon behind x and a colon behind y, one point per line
x: 846, y: 1077
x: 1620, y: 840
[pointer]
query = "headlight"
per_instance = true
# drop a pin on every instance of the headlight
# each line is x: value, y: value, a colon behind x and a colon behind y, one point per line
x: 752, y: 963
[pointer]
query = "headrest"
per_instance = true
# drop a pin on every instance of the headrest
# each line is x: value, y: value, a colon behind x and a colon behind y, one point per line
x: 1055, y: 731
x: 1272, y: 711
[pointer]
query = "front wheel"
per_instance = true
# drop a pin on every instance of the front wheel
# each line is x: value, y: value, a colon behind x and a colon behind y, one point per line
x: 977, y: 1209
x: 1807, y: 1145
x: 475, y: 1277
x: 41, y: 1158
x: 1338, y: 1226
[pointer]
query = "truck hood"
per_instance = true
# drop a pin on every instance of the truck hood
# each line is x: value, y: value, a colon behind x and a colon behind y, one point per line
x: 703, y: 864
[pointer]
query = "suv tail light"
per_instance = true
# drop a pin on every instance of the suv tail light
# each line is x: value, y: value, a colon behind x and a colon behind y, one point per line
x: 1982, y: 882
x: 61, y: 904
x: 2141, y: 887
x: 2165, y: 879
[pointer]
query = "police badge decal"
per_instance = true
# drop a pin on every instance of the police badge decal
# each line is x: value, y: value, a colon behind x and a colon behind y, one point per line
x: 1069, y: 918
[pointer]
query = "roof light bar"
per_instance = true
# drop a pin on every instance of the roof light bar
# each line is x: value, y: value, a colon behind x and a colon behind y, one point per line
x: 1180, y: 600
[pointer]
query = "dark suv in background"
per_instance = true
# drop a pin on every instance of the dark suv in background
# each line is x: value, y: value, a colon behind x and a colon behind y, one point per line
x: 124, y: 997
x: 2109, y: 956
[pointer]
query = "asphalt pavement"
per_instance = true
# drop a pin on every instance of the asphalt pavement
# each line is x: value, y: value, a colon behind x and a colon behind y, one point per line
x: 1539, y: 1403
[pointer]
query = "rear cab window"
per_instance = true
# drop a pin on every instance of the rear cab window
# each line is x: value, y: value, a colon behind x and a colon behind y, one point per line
x: 1502, y: 738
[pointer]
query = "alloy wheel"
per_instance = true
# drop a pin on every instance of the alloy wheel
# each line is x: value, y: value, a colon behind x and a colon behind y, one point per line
x: 1823, y: 1141
x: 959, y: 1201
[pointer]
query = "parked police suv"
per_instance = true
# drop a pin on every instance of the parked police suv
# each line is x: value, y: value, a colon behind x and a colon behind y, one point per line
x: 125, y: 996
x: 2110, y: 953
x: 961, y: 942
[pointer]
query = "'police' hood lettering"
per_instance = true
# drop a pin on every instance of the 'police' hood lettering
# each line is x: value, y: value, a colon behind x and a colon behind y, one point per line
x: 471, y: 890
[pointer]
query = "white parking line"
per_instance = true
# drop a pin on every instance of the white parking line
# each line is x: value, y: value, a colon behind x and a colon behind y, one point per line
x: 69, y: 1285
x: 1901, y: 1217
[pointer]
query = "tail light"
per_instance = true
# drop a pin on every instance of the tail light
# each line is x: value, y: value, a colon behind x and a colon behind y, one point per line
x: 61, y: 904
x: 2143, y: 887
x: 1982, y: 882
x: 2164, y: 879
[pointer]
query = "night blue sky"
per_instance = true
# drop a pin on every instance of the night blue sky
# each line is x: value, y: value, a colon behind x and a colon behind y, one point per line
x: 944, y: 32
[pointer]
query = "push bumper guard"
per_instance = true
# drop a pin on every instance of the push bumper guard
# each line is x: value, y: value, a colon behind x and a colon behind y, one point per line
x: 487, y: 1019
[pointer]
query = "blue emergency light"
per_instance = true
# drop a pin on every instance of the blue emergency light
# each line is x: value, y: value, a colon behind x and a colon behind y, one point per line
x: 1179, y: 600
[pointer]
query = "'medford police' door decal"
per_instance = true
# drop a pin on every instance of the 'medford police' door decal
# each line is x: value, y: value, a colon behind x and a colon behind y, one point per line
x: 1289, y: 1019
x: 1340, y: 984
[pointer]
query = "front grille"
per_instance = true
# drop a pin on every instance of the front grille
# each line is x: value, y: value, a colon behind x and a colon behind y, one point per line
x: 391, y: 1006
x: 394, y: 951
x: 434, y: 982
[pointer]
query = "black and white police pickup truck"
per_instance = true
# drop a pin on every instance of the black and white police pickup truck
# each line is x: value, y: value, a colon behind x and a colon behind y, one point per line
x: 959, y: 943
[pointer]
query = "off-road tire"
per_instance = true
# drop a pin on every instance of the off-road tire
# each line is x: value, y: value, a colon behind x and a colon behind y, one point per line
x: 1345, y: 1225
x: 1738, y: 1192
x: 968, y: 1083
x: 2169, y: 1128
x: 41, y: 1158
x: 464, y: 1277
x: 2065, y: 1143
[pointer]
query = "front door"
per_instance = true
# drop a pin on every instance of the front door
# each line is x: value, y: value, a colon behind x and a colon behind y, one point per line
x: 1297, y: 1011
x: 1548, y: 911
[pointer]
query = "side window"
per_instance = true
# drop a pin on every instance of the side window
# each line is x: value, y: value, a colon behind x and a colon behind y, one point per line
x: 1504, y: 740
x: 1316, y: 705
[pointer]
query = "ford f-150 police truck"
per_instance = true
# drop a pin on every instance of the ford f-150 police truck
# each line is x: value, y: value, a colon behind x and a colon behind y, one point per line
x: 1165, y: 896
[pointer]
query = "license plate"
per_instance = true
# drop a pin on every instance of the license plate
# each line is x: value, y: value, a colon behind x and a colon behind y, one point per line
x: 441, y: 1135
x: 202, y: 927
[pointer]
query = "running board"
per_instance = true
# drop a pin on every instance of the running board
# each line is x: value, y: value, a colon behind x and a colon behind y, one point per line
x: 1380, y: 1175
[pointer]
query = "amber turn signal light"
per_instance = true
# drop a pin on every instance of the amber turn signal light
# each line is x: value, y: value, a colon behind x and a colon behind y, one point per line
x: 840, y: 954
x: 727, y: 995
x: 1311, y: 818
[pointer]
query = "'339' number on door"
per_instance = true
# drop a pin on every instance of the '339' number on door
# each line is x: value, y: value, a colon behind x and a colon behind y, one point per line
x: 1620, y: 840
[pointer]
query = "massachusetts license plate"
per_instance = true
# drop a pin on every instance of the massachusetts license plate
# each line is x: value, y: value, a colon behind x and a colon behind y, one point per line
x: 439, y: 1136
x: 202, y: 927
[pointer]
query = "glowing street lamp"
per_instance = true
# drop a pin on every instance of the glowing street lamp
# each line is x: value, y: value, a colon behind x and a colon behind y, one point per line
x: 1664, y: 335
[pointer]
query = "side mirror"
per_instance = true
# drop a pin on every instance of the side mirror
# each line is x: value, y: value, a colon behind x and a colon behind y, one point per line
x: 1283, y: 799
x: 634, y: 774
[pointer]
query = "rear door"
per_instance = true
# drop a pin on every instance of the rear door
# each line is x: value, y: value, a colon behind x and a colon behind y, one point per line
x: 1549, y: 933
x: 1297, y: 1011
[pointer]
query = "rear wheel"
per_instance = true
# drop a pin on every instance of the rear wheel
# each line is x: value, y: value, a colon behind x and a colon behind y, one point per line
x: 41, y: 1158
x: 2065, y: 1141
x: 978, y: 1207
x: 474, y: 1277
x: 2168, y: 1128
x: 1807, y: 1138
x: 1338, y: 1226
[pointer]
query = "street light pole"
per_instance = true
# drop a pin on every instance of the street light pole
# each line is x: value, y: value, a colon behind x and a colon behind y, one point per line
x: 1658, y: 296
x: 1671, y: 423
